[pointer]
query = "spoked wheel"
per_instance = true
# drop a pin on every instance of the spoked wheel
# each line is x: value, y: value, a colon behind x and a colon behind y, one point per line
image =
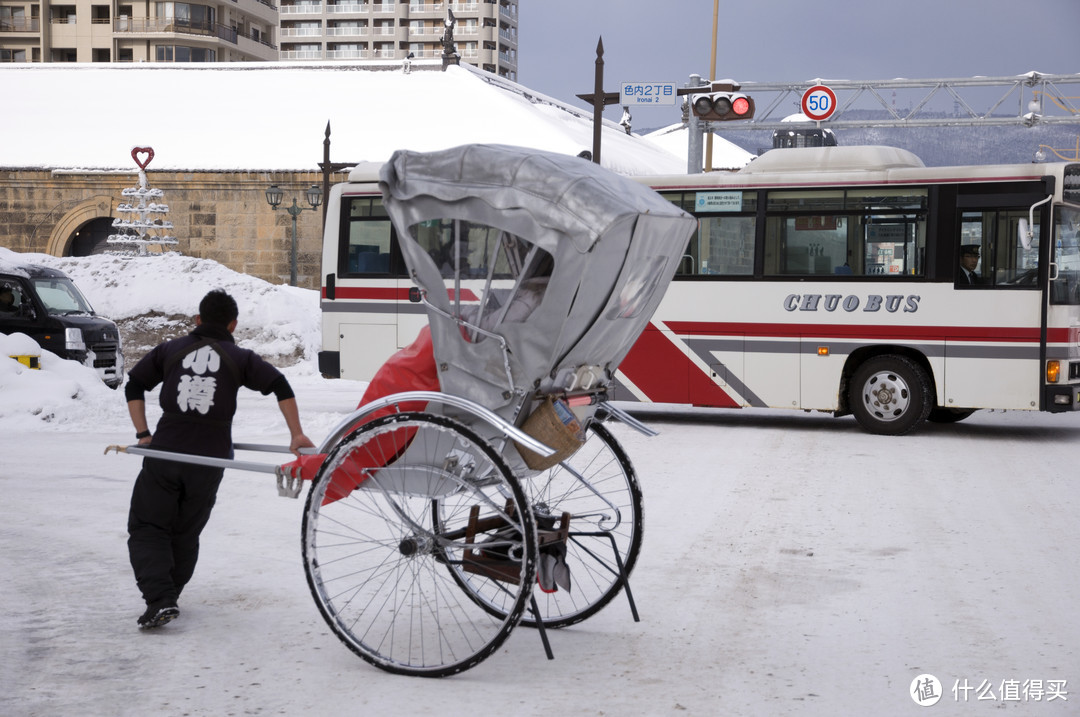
x: 376, y: 563
x: 598, y: 489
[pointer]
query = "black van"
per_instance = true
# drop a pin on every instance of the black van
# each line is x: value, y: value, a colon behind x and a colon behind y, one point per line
x: 46, y: 305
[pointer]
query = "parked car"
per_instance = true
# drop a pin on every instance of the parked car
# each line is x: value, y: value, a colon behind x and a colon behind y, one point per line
x: 46, y: 305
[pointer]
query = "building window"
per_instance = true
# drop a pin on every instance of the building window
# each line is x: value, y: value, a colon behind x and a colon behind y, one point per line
x: 186, y: 14
x: 179, y: 53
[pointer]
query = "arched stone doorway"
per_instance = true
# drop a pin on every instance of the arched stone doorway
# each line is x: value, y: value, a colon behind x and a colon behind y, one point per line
x: 62, y: 238
x: 91, y: 238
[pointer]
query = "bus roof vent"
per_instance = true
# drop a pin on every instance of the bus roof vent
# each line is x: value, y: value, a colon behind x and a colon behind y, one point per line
x: 365, y: 172
x: 832, y: 159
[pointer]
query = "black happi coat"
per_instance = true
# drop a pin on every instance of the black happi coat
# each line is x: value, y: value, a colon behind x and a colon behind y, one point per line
x: 200, y: 375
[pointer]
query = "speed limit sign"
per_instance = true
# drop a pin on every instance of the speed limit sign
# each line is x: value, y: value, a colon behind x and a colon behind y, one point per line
x: 819, y: 103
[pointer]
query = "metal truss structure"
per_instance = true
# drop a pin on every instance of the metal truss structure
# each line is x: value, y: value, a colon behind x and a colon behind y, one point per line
x: 1020, y: 100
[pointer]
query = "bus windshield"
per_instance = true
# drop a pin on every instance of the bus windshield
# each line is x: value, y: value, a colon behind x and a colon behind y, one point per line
x: 1066, y: 288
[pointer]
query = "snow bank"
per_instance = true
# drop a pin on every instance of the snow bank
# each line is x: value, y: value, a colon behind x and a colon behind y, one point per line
x: 62, y: 393
x: 152, y: 296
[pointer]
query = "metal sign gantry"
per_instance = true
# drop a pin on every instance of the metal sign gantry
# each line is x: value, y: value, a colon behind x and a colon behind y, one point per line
x: 1019, y: 100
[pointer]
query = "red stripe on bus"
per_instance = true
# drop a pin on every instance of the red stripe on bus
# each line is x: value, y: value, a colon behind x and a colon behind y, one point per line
x: 870, y: 332
x: 665, y: 374
x: 388, y: 293
x: 373, y: 293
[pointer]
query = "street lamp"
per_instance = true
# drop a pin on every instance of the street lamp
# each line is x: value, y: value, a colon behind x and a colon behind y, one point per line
x: 274, y: 195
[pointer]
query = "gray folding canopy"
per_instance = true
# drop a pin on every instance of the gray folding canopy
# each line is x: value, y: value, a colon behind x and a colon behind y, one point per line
x: 540, y: 270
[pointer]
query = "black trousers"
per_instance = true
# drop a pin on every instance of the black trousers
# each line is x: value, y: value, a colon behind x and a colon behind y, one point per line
x: 170, y: 505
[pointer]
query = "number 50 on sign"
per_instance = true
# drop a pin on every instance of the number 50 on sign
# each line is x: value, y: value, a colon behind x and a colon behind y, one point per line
x: 819, y: 103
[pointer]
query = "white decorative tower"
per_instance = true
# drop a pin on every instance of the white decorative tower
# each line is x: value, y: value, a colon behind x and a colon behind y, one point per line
x: 142, y: 225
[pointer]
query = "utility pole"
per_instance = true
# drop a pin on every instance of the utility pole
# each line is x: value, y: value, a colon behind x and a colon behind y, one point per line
x: 712, y: 69
x: 694, y: 129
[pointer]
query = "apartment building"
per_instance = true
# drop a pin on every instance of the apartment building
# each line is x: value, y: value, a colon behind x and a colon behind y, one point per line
x: 485, y: 31
x: 148, y: 31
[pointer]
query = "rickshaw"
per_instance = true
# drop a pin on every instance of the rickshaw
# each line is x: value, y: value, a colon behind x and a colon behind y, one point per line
x: 484, y: 469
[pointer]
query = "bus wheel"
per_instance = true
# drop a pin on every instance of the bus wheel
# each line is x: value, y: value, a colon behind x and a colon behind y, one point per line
x: 949, y: 415
x: 890, y: 395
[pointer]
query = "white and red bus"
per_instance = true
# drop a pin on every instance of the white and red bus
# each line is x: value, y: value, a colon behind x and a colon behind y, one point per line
x: 828, y: 279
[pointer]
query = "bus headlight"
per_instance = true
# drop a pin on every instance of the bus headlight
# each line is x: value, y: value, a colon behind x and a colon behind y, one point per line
x: 73, y: 340
x: 1053, y: 371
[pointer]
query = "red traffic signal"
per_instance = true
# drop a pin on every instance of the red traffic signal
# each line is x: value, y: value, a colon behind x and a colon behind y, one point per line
x: 723, y: 106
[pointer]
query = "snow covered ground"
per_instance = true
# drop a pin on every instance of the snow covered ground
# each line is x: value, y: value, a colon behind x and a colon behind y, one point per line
x: 792, y: 564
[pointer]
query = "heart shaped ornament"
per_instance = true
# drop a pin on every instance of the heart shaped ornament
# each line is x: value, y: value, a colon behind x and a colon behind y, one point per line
x: 137, y: 154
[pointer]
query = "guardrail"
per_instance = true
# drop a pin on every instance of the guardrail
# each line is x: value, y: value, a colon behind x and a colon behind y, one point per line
x: 20, y: 25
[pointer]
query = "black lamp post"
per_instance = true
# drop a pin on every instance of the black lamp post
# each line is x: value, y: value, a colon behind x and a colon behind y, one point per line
x: 274, y: 195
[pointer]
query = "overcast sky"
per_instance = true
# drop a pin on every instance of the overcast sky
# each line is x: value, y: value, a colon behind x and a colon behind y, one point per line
x: 789, y: 40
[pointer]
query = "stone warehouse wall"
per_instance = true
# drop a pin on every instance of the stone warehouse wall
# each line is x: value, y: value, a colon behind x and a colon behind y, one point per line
x: 216, y: 215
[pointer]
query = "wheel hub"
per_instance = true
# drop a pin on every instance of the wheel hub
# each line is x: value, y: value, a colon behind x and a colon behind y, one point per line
x: 414, y: 545
x: 886, y: 396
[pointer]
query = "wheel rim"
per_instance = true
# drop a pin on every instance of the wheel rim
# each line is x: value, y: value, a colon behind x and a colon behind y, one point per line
x: 886, y: 395
x: 377, y: 566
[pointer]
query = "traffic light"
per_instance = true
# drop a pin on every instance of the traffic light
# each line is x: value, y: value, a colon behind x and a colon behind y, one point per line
x: 723, y: 106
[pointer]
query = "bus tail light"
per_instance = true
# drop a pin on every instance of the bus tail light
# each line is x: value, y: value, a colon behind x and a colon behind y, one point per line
x: 1053, y: 371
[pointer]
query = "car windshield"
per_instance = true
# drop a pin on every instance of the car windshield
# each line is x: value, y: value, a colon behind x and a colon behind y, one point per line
x: 60, y: 296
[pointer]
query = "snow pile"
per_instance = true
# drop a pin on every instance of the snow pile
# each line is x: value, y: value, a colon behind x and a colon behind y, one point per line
x: 275, y: 319
x: 55, y: 393
x: 150, y: 298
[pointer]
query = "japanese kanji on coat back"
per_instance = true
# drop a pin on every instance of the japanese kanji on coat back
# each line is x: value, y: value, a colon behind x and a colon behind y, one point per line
x: 200, y: 375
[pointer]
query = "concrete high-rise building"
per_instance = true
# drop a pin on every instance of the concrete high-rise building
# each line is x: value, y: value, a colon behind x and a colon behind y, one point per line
x: 485, y: 31
x: 127, y: 31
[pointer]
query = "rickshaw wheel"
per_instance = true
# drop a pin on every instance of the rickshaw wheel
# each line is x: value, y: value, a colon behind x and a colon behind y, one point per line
x: 601, y: 527
x: 376, y: 565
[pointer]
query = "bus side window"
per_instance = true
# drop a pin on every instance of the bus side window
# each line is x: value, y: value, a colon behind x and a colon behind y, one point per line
x: 725, y: 245
x: 990, y: 245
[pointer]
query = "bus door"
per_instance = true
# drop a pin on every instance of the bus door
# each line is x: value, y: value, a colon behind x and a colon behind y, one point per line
x: 995, y: 329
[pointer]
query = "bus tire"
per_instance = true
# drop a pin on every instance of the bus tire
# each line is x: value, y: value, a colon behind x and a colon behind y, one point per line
x: 949, y: 415
x: 890, y: 395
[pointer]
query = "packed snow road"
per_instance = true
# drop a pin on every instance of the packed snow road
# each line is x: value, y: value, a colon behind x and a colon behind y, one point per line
x: 792, y: 565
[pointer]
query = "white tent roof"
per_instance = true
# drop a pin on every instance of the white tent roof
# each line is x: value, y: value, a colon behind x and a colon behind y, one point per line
x: 272, y: 116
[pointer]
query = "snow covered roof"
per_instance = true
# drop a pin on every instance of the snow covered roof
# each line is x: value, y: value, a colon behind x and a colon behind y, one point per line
x: 272, y: 116
x: 725, y: 155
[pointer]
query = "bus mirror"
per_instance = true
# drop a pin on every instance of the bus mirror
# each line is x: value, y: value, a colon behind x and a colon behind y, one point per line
x: 414, y: 294
x: 1023, y: 229
x: 331, y: 286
